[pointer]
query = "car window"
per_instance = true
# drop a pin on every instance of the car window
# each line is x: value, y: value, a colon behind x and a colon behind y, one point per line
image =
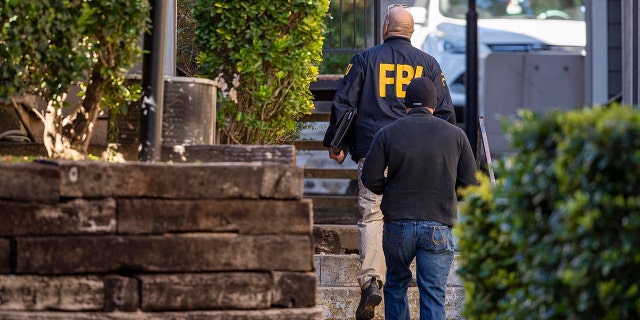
x: 516, y: 9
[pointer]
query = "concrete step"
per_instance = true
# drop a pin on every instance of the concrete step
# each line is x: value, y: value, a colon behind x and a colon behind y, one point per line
x: 329, y: 209
x: 339, y: 293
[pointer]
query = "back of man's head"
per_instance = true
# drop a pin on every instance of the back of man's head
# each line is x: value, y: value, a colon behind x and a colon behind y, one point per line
x: 421, y: 92
x: 398, y: 22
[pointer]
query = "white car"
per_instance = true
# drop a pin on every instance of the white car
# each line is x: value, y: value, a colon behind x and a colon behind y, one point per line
x: 503, y: 25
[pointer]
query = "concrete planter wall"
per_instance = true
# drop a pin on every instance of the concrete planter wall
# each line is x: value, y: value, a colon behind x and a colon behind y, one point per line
x: 188, y: 115
x: 93, y: 240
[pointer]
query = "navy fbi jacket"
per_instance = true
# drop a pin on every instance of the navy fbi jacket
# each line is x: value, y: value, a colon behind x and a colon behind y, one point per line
x: 375, y: 83
x: 426, y: 159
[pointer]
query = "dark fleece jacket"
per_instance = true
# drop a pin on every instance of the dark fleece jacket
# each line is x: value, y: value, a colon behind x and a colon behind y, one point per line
x: 427, y: 159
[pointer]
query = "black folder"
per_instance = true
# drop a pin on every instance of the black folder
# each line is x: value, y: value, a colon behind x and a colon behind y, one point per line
x: 343, y: 132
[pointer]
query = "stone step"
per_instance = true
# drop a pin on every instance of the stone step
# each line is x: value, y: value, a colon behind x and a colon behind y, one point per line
x: 341, y: 210
x: 339, y: 293
x: 340, y: 303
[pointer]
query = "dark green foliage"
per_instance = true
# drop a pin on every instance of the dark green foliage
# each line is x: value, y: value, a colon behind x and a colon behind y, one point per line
x: 39, y: 47
x: 557, y: 236
x: 350, y: 29
x: 335, y: 63
x: 263, y: 54
x: 186, y: 50
x: 48, y: 45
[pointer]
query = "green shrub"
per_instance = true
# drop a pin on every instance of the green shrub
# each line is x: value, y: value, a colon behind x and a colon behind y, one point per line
x: 557, y: 236
x: 186, y: 49
x: 40, y: 47
x: 264, y: 54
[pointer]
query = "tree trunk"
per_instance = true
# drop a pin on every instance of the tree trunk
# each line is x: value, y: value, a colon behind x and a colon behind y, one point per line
x: 80, y: 129
x: 68, y: 137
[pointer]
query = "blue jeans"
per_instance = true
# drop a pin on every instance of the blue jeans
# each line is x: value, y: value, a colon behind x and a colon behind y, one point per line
x: 431, y: 244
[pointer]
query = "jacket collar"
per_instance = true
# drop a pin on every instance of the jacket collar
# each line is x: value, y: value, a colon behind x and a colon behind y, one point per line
x: 397, y: 38
x: 419, y: 111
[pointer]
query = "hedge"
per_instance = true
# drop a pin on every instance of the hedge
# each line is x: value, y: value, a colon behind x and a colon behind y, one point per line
x: 557, y: 237
x: 264, y: 54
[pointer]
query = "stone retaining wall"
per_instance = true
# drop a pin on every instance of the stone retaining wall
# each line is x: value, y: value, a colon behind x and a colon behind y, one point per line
x: 96, y: 240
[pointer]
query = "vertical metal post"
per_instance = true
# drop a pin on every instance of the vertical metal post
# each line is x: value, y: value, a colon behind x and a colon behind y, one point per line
x: 355, y: 25
x: 365, y: 12
x: 341, y: 24
x: 153, y: 85
x: 377, y: 39
x: 471, y: 109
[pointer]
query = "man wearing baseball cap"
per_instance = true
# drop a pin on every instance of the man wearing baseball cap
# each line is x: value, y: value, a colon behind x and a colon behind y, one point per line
x: 427, y: 159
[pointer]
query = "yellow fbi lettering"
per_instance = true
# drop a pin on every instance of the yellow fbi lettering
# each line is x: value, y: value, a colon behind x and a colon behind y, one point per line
x: 397, y: 75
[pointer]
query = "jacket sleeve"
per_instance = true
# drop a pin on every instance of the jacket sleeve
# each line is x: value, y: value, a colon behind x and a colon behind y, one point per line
x: 466, y: 164
x: 347, y: 96
x: 374, y: 165
x: 445, y: 109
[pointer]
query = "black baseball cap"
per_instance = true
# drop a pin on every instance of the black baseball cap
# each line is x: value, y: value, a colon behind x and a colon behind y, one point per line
x: 421, y: 93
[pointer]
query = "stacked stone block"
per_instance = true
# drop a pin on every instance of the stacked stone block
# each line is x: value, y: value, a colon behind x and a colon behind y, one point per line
x: 96, y: 240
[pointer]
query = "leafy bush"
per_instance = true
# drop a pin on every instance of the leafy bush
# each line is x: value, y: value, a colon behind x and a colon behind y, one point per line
x: 263, y: 54
x: 47, y: 46
x: 557, y: 236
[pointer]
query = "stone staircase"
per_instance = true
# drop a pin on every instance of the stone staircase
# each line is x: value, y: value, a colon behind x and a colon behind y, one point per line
x: 338, y: 290
x: 333, y: 189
